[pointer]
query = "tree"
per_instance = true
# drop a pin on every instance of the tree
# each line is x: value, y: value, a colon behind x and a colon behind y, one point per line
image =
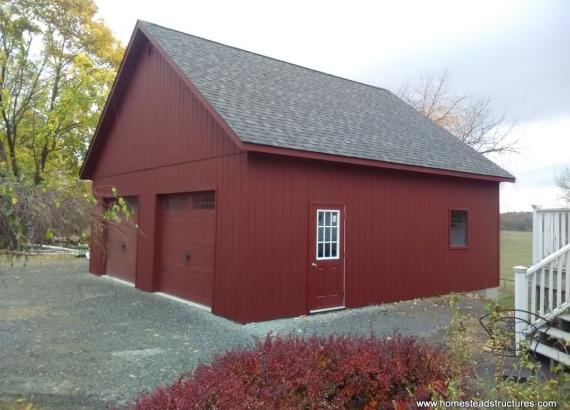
x: 56, y: 67
x: 470, y: 120
x: 57, y: 64
x: 563, y: 182
x: 19, y: 76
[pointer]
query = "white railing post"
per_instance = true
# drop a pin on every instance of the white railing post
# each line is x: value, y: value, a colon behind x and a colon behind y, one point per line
x: 521, y: 303
x: 536, y: 234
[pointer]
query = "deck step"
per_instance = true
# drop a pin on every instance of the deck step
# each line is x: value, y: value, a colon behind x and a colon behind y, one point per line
x: 565, y: 317
x: 551, y: 353
x: 555, y: 333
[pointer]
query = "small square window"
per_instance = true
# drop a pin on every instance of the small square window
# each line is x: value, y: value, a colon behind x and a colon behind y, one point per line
x: 458, y: 229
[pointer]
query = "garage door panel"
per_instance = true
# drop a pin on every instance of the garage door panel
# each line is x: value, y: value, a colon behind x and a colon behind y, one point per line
x: 202, y: 259
x: 121, y: 244
x: 199, y: 260
x: 187, y: 243
x: 180, y: 228
x: 192, y: 284
x: 172, y: 257
x: 175, y: 246
x: 193, y: 279
x: 176, y: 229
x: 202, y: 232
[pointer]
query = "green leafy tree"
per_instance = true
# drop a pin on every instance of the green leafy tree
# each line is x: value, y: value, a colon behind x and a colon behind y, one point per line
x: 20, y: 73
x: 57, y: 65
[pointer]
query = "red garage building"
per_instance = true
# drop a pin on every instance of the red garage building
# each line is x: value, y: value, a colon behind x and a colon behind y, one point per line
x: 263, y: 189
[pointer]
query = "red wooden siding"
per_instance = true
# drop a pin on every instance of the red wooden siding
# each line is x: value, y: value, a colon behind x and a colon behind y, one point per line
x: 152, y: 125
x: 186, y: 248
x: 164, y: 141
x: 121, y: 244
x: 159, y: 139
x: 397, y: 233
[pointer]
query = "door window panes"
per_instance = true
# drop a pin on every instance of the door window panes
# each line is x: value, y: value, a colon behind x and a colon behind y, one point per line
x: 328, y: 234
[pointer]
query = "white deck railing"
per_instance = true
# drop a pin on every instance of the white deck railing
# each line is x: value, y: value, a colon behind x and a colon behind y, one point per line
x: 543, y: 290
x: 550, y: 231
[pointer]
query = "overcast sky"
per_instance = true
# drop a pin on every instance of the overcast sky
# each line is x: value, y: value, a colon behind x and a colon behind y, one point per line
x: 515, y: 52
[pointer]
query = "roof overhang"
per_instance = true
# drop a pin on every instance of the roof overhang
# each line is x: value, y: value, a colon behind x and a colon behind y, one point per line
x: 370, y: 163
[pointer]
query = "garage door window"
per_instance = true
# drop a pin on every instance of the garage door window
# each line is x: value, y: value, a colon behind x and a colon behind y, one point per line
x: 176, y: 202
x: 204, y: 200
x: 132, y: 203
x: 115, y: 208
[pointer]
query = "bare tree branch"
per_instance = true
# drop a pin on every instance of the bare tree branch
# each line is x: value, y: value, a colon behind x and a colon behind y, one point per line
x: 472, y: 121
x: 563, y: 182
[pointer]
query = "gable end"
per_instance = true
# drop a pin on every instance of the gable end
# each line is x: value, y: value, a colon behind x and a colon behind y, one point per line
x: 140, y: 49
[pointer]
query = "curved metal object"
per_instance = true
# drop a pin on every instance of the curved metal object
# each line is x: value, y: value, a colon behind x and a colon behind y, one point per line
x: 501, y: 327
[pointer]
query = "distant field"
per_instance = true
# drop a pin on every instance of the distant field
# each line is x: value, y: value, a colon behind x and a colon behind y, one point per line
x: 516, y: 249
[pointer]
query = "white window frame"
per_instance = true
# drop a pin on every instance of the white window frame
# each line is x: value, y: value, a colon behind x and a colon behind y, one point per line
x: 331, y: 240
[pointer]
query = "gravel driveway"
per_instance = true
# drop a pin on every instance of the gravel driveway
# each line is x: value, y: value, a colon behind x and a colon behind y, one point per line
x: 73, y: 340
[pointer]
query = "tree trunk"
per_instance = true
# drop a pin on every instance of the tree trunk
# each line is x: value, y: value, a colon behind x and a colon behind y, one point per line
x: 38, y: 174
x: 3, y: 157
x: 46, y: 151
x: 13, y: 160
x: 11, y: 139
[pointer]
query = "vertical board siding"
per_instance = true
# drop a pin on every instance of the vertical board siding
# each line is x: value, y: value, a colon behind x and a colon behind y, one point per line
x: 153, y: 124
x: 396, y: 237
x: 221, y: 174
x: 163, y: 140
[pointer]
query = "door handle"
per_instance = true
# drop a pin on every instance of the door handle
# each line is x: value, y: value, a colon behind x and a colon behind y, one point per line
x: 187, y: 257
x: 314, y: 264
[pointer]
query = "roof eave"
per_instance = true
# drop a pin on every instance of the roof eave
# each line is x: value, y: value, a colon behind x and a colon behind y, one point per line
x: 251, y: 147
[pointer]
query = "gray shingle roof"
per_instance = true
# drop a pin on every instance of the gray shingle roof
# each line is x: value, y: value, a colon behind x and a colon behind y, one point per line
x: 271, y: 102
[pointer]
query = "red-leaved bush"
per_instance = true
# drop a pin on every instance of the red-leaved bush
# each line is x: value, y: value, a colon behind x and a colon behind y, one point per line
x: 297, y: 373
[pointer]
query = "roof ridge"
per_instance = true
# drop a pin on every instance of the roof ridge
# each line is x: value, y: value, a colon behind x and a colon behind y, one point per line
x: 268, y: 57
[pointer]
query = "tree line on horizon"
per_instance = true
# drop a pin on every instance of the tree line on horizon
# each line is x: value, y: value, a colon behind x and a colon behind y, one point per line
x: 516, y: 221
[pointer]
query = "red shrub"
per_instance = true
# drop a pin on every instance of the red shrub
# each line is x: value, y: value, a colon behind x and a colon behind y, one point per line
x: 292, y: 372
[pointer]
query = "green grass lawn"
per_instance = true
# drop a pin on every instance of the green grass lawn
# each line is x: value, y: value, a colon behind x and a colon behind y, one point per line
x: 516, y: 249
